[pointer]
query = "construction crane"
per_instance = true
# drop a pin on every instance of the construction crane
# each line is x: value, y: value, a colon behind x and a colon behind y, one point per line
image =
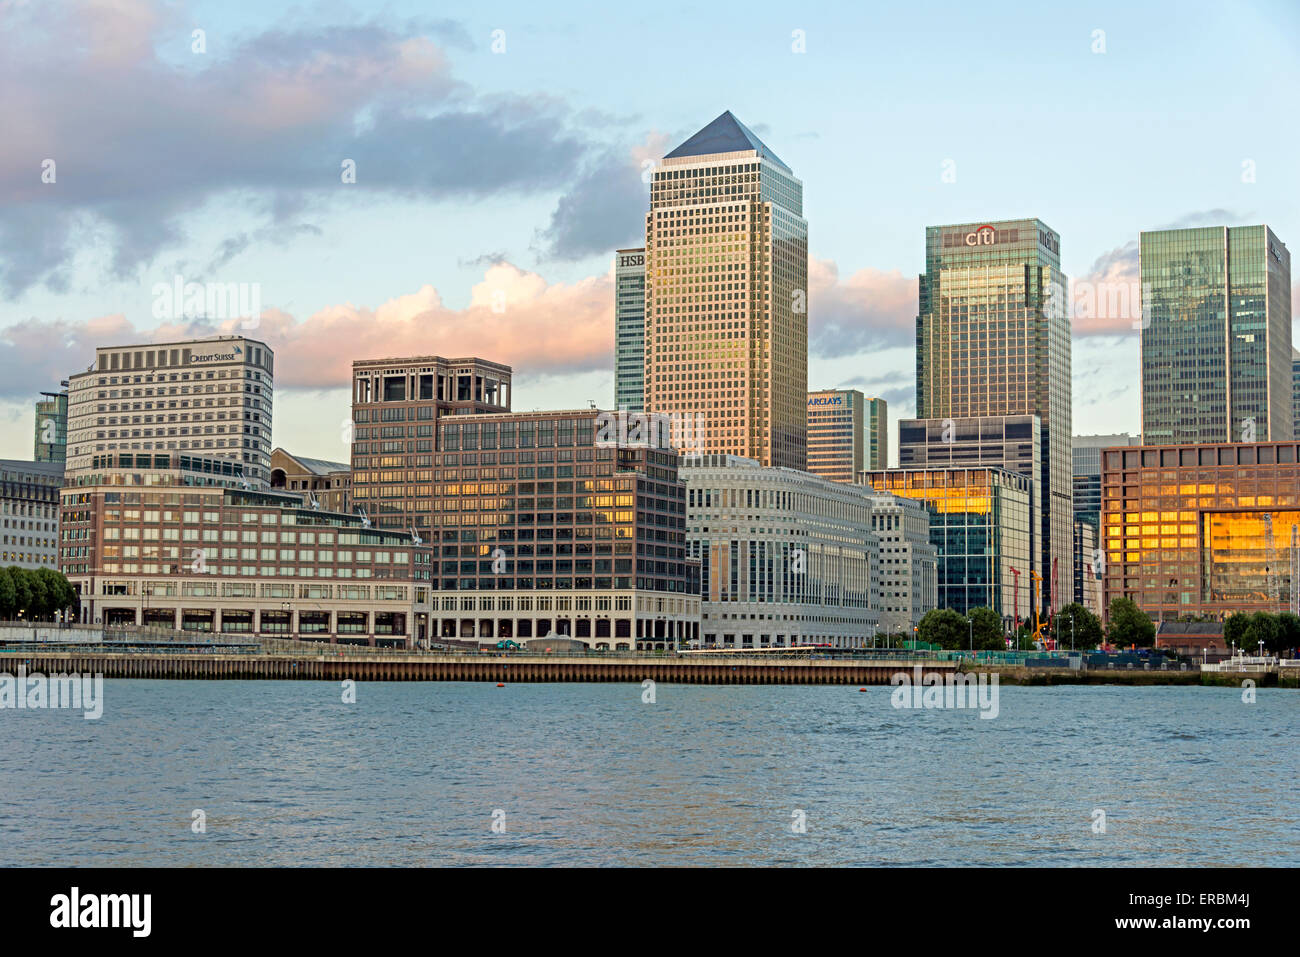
x: 1039, y: 624
x: 1015, y: 601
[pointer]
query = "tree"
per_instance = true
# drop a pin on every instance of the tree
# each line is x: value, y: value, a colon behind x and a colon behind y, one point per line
x: 1129, y: 624
x: 1288, y: 631
x: 1234, y: 629
x: 22, y: 589
x: 943, y: 627
x: 8, y: 595
x: 1262, y: 627
x: 987, y: 628
x: 59, y: 591
x: 1087, y: 627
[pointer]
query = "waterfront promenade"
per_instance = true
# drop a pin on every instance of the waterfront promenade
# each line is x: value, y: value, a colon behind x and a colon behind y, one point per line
x: 513, y: 667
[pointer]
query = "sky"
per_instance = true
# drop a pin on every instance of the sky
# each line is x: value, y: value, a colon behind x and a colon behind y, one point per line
x: 405, y: 178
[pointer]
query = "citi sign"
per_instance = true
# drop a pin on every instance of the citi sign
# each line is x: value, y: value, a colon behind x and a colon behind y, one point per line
x: 982, y: 236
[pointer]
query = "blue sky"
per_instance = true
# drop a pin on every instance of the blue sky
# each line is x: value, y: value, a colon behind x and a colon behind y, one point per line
x: 520, y: 170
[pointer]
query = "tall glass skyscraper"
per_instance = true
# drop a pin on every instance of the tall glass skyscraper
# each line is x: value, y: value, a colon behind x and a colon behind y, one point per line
x: 1295, y: 390
x: 726, y: 336
x: 877, y: 413
x: 629, y: 330
x: 51, y: 434
x: 993, y: 339
x: 1216, y: 336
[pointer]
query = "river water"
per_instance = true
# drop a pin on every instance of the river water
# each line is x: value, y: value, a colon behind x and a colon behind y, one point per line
x: 287, y: 773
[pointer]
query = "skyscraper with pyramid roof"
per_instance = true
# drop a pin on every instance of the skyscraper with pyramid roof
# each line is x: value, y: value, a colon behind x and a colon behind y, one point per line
x: 726, y: 316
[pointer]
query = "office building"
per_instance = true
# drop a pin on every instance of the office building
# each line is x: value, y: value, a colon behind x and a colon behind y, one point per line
x: 980, y: 528
x: 1087, y: 472
x: 845, y: 433
x: 1087, y: 509
x: 726, y: 295
x: 177, y: 542
x: 322, y: 484
x: 837, y: 434
x: 1087, y: 570
x: 993, y: 339
x: 877, y: 423
x: 629, y: 329
x: 908, y: 566
x: 29, y: 513
x: 1216, y: 336
x: 786, y: 558
x: 50, y: 438
x: 396, y: 407
x: 211, y: 397
x: 1010, y: 442
x: 1295, y: 389
x: 1204, y: 529
x: 547, y: 522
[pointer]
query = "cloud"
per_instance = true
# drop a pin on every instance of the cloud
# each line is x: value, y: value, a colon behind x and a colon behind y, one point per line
x: 139, y: 141
x: 605, y: 210
x: 1107, y: 300
x: 514, y: 316
x: 871, y: 309
x: 1208, y: 217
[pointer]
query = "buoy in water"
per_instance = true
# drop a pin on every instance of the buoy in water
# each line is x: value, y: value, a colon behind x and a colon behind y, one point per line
x: 862, y: 689
x: 500, y: 684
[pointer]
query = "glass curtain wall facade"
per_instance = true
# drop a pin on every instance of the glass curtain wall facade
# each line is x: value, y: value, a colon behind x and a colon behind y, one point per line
x: 629, y: 330
x: 993, y: 338
x: 1201, y: 529
x: 542, y: 526
x: 877, y: 423
x: 1216, y: 336
x: 50, y: 442
x: 726, y: 295
x: 980, y: 527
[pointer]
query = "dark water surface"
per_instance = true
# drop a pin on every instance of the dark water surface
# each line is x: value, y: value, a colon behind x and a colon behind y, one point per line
x: 587, y: 774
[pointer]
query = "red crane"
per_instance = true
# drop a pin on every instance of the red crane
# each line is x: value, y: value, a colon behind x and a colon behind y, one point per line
x: 1015, y: 595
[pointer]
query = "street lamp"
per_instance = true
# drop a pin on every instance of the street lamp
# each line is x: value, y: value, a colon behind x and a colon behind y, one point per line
x: 971, y: 622
x: 1072, y: 633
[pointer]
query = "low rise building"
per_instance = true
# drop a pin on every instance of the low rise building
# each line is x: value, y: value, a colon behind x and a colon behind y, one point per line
x: 322, y: 484
x: 908, y: 567
x: 29, y: 513
x: 555, y: 523
x: 786, y: 558
x: 980, y: 528
x: 1202, y: 529
x: 185, y: 542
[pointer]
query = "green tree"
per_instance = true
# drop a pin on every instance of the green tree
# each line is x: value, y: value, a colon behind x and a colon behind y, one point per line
x: 1087, y: 627
x: 1262, y: 627
x: 23, y: 591
x: 1234, y: 629
x: 1129, y: 624
x: 59, y: 592
x: 943, y: 627
x: 8, y: 595
x: 987, y: 628
x: 1288, y: 631
x: 41, y: 599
